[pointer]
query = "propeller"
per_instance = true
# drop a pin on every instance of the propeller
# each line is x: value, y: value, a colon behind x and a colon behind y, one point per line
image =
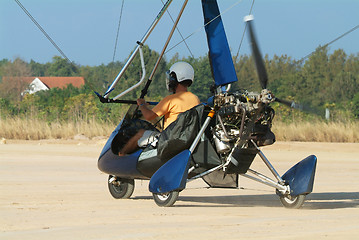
x: 261, y: 70
x: 262, y: 73
x: 290, y: 104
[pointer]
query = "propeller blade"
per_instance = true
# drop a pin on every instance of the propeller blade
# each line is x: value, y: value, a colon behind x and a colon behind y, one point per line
x: 290, y: 104
x: 262, y: 73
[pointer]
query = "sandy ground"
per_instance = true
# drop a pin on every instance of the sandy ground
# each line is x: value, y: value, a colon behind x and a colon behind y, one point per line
x: 52, y: 190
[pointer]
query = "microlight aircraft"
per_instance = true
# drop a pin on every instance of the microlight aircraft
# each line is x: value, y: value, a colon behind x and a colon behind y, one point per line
x: 220, y: 138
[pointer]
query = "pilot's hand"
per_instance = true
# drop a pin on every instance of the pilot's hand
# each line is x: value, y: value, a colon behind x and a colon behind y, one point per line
x: 147, y: 113
x: 141, y: 102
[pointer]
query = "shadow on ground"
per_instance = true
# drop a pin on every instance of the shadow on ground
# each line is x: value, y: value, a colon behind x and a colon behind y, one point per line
x: 328, y: 200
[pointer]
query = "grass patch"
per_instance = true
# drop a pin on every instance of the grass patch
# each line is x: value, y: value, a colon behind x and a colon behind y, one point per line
x: 35, y: 129
x: 318, y: 131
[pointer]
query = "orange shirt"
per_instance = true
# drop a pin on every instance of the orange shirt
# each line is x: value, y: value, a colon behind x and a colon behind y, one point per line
x: 174, y: 104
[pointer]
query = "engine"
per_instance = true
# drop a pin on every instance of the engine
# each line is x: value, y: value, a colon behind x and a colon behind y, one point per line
x: 242, y: 116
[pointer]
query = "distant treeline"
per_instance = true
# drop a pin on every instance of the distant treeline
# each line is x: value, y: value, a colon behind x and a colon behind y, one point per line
x: 322, y: 81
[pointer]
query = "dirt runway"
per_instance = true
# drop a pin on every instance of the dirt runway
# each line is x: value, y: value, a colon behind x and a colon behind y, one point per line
x: 52, y: 190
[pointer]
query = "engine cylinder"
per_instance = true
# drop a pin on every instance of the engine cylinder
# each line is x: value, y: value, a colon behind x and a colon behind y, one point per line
x: 221, y: 146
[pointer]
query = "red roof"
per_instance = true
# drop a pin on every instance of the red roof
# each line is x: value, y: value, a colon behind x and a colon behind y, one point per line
x: 53, y: 82
x: 61, y: 82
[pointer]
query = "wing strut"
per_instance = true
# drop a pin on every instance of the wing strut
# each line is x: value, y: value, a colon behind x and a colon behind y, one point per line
x: 144, y: 91
x: 139, y: 48
x: 140, y: 43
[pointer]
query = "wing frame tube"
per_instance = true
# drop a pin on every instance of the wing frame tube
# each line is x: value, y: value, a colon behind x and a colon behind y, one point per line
x: 141, y: 42
x: 142, y: 78
x: 144, y: 91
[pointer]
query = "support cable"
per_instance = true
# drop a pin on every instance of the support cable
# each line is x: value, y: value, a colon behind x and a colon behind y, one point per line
x: 42, y: 30
x: 336, y: 39
x: 169, y: 14
x: 118, y: 30
x: 244, y: 31
x: 200, y: 28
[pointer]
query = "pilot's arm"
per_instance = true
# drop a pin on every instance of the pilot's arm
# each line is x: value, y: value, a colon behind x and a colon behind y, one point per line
x: 147, y: 113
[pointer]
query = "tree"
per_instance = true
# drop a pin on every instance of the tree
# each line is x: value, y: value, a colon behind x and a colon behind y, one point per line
x: 323, y: 78
x: 13, y: 83
x: 38, y: 69
x: 203, y: 79
x: 246, y: 73
x: 6, y: 108
x: 29, y: 105
x: 60, y: 67
x: 80, y: 107
x: 355, y: 108
x: 313, y: 78
x: 2, y: 64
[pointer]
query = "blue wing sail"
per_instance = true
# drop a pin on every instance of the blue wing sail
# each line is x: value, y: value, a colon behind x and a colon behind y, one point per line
x: 219, y: 53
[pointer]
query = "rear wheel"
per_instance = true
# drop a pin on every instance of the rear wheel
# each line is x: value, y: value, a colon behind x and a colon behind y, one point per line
x: 165, y: 199
x: 120, y: 188
x: 292, y: 202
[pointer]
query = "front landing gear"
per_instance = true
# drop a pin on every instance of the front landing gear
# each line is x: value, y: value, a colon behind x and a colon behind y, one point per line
x: 165, y: 199
x: 292, y: 202
x: 120, y: 188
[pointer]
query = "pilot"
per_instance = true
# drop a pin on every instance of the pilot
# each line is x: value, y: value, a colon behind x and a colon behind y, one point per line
x: 178, y: 79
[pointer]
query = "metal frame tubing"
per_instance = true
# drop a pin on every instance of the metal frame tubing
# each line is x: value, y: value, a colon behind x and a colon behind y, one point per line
x: 141, y: 80
x: 265, y: 180
x: 144, y: 38
x: 164, y: 47
x: 201, y: 131
x: 269, y: 165
x: 194, y: 145
x: 204, y: 173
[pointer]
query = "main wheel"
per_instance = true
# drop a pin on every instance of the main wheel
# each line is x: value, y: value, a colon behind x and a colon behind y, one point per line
x: 165, y: 199
x: 120, y: 188
x: 292, y: 202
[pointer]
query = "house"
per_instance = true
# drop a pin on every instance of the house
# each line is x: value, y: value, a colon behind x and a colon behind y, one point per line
x: 45, y: 83
x: 35, y: 84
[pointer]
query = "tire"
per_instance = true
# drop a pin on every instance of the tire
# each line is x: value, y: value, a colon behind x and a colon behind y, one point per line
x: 292, y: 202
x: 165, y: 199
x: 121, y: 188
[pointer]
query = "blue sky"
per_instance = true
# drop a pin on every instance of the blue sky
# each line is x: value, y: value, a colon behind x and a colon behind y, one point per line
x: 86, y: 30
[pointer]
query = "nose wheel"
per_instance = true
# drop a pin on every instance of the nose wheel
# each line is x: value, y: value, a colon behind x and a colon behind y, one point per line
x: 165, y: 199
x: 289, y: 201
x: 120, y: 188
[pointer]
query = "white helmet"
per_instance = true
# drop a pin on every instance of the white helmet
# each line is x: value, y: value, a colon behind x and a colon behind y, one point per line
x: 179, y: 72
